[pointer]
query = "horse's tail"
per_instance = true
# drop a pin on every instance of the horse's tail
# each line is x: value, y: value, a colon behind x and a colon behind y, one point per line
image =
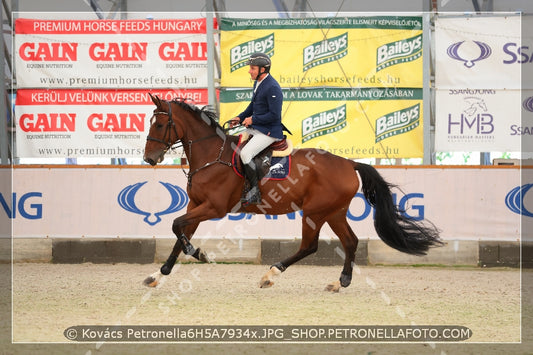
x: 396, y: 230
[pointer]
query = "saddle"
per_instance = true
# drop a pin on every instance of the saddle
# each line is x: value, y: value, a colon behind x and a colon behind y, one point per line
x: 270, y: 161
x: 280, y: 148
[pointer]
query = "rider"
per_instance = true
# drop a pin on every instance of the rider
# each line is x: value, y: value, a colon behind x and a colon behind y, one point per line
x: 262, y: 118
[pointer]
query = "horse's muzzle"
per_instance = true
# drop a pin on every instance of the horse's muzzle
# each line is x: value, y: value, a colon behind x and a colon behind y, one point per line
x: 150, y: 161
x: 154, y: 160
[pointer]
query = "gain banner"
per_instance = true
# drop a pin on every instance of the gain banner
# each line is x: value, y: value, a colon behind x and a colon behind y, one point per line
x: 378, y: 51
x: 111, y: 53
x: 353, y: 123
x: 88, y: 123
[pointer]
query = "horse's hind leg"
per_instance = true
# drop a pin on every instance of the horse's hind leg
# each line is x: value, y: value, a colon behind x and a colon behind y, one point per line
x: 339, y: 225
x: 309, y: 245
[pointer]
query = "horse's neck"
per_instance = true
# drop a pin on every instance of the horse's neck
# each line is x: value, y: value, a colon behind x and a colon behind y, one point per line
x: 202, y: 144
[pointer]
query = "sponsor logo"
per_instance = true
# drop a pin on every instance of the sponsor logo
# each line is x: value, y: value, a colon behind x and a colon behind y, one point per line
x: 48, y: 122
x: 26, y: 206
x: 397, y: 122
x: 473, y: 119
x: 239, y: 54
x: 110, y: 122
x: 528, y: 104
x: 515, y: 200
x: 183, y: 51
x: 96, y: 122
x: 469, y: 59
x: 518, y: 54
x: 403, y: 51
x: 126, y: 200
x: 406, y: 207
x: 124, y: 51
x: 276, y: 169
x: 517, y: 130
x: 48, y: 52
x: 474, y: 105
x: 324, y: 123
x: 410, y: 206
x: 325, y: 51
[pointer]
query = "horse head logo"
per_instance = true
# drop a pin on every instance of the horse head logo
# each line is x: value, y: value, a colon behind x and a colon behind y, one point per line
x: 515, y: 200
x: 473, y: 104
x: 484, y: 52
x: 126, y: 200
x: 277, y: 169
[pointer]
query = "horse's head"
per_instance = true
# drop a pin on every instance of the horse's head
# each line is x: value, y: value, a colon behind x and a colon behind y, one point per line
x: 163, y: 133
x: 177, y: 120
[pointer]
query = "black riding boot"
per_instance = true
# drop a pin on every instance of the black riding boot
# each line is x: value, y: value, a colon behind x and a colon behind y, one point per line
x: 251, y: 196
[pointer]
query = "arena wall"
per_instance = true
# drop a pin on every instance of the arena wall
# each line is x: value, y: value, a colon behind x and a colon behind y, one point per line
x: 100, y: 214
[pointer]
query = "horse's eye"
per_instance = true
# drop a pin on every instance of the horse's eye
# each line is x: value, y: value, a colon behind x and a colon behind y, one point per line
x: 158, y: 126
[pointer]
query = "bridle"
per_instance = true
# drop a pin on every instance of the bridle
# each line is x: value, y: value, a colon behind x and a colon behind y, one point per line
x: 168, y: 130
x: 169, y: 144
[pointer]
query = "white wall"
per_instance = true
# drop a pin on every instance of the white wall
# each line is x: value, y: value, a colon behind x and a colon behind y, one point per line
x: 465, y: 203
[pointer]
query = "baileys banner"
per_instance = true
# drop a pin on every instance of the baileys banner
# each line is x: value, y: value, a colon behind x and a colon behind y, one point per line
x: 351, y: 85
x: 374, y: 51
x: 353, y: 123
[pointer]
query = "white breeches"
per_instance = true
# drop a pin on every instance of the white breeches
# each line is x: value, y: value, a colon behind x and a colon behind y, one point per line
x: 257, y: 143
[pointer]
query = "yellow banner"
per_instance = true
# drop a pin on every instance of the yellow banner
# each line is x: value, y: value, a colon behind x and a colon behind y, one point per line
x: 332, y: 52
x: 353, y: 123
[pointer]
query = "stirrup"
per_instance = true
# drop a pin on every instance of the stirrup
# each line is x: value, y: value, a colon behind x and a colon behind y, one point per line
x: 251, y: 197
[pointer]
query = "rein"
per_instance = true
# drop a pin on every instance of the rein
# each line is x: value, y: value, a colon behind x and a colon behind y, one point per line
x: 206, y: 165
x: 169, y: 145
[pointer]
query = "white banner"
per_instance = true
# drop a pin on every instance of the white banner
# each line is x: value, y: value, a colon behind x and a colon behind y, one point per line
x: 88, y: 123
x: 478, y: 120
x: 525, y: 129
x: 465, y: 203
x: 111, y: 53
x: 478, y: 82
x: 479, y: 52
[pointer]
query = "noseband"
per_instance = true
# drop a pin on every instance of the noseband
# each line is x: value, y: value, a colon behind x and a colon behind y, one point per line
x: 170, y: 126
x: 168, y: 143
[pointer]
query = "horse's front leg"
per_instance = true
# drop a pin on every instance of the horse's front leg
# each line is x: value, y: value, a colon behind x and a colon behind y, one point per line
x: 154, y: 279
x: 183, y: 244
x: 184, y: 228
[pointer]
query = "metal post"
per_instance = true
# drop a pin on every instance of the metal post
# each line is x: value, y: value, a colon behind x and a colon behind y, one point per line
x: 4, y: 145
x: 281, y: 8
x: 211, y: 93
x: 426, y: 91
x: 484, y: 157
x: 97, y: 9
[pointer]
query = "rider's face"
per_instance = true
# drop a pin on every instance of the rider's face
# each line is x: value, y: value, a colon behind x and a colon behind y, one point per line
x: 254, y: 71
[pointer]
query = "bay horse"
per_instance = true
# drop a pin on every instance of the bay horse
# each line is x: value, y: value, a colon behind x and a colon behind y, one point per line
x: 320, y: 184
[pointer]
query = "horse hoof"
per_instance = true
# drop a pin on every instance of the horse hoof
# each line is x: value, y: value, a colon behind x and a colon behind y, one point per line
x: 266, y: 284
x: 333, y: 287
x: 266, y: 280
x: 202, y: 256
x: 150, y: 281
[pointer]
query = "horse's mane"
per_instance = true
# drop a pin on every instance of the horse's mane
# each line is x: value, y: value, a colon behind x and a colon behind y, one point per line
x: 200, y: 112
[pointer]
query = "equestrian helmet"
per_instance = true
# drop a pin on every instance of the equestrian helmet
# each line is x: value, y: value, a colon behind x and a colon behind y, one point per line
x: 261, y: 60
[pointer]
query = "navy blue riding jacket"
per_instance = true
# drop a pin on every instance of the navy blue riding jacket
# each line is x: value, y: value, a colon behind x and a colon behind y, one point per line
x: 265, y: 108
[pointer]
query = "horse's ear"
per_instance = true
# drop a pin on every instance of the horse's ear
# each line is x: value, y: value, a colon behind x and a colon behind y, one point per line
x: 156, y: 100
